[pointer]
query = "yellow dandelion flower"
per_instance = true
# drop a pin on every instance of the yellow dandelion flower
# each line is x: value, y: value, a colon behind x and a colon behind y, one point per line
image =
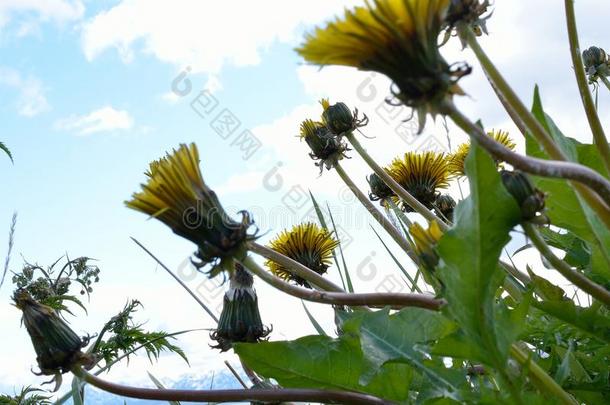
x: 421, y: 174
x: 176, y: 194
x: 425, y: 242
x: 397, y: 38
x: 307, y: 244
x: 457, y: 159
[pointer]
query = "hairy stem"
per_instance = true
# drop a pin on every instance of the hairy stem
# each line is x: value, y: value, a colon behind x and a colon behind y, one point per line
x: 395, y: 300
x: 241, y: 395
x: 545, y: 168
x: 294, y: 267
x: 587, y: 100
x: 393, y: 184
x: 378, y: 215
x: 544, y: 381
x: 596, y: 291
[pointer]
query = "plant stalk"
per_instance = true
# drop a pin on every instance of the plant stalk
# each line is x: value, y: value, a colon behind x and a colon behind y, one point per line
x: 599, y: 137
x: 393, y: 184
x: 394, y: 300
x: 540, y: 377
x: 596, y: 291
x: 241, y: 395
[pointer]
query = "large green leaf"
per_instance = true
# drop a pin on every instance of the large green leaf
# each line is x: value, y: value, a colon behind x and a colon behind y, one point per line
x: 565, y: 207
x: 469, y: 255
x: 326, y: 363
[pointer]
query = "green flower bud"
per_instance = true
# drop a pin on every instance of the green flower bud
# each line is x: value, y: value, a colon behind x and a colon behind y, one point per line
x: 596, y: 63
x: 529, y: 198
x: 379, y: 190
x: 240, y: 320
x: 338, y: 118
x: 444, y: 206
x: 57, y: 346
x: 325, y: 147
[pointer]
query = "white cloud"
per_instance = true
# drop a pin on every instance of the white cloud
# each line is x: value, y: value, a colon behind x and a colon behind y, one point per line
x: 57, y: 11
x: 205, y: 35
x: 104, y: 119
x: 31, y: 100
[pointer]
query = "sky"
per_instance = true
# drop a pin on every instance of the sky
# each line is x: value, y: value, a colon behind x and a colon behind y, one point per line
x: 92, y: 91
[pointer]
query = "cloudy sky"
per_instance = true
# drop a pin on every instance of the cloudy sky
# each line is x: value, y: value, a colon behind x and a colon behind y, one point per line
x: 93, y: 91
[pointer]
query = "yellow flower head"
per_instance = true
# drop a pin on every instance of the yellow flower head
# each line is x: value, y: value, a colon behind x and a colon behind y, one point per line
x: 176, y: 194
x: 397, y: 38
x: 421, y: 174
x: 425, y: 243
x: 326, y: 148
x: 307, y: 244
x: 457, y: 159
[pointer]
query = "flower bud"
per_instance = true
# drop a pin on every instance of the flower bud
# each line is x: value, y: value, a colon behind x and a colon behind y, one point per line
x: 596, y: 63
x: 325, y: 147
x: 379, y: 190
x: 240, y: 320
x: 529, y: 198
x: 57, y: 346
x: 444, y: 206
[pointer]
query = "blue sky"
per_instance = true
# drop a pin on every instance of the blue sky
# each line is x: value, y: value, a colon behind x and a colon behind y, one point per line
x: 87, y: 102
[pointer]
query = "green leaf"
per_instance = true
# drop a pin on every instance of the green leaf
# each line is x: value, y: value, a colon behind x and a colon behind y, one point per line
x: 593, y: 321
x: 400, y: 338
x: 6, y: 150
x: 565, y: 207
x: 545, y: 288
x: 321, y: 362
x: 469, y: 255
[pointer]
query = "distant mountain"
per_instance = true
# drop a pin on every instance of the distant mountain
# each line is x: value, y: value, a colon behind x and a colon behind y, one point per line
x: 223, y: 380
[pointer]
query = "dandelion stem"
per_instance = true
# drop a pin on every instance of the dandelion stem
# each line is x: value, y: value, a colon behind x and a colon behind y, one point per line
x: 378, y: 215
x: 596, y: 291
x: 585, y: 94
x: 604, y: 79
x: 393, y: 184
x: 540, y: 377
x: 294, y: 267
x: 241, y: 395
x: 395, y: 300
x: 585, y: 176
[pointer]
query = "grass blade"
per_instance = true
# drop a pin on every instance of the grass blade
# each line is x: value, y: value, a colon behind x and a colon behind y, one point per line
x: 413, y: 282
x: 313, y: 321
x: 348, y: 279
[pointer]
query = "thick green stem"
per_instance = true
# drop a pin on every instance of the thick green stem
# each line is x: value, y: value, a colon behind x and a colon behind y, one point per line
x: 585, y: 181
x: 544, y: 381
x: 393, y: 184
x: 601, y: 142
x: 378, y: 215
x: 243, y: 395
x: 578, y: 279
x: 294, y: 267
x: 604, y: 79
x: 394, y: 300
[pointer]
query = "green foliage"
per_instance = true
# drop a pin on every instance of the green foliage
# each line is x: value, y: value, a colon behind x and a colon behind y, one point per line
x: 565, y: 207
x: 125, y: 336
x: 51, y: 286
x: 27, y: 396
x: 6, y: 150
x: 483, y: 222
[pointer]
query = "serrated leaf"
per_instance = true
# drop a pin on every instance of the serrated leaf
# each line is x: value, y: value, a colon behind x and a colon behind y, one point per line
x: 469, y: 253
x: 545, y: 288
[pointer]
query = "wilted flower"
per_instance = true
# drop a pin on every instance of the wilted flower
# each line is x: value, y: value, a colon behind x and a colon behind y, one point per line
x: 421, y: 175
x: 397, y: 38
x: 456, y: 160
x: 325, y: 147
x: 339, y: 119
x: 596, y: 63
x: 444, y: 206
x: 529, y: 198
x: 307, y: 244
x: 57, y: 346
x: 380, y: 191
x: 240, y: 320
x: 469, y: 13
x: 176, y: 194
x: 425, y: 243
